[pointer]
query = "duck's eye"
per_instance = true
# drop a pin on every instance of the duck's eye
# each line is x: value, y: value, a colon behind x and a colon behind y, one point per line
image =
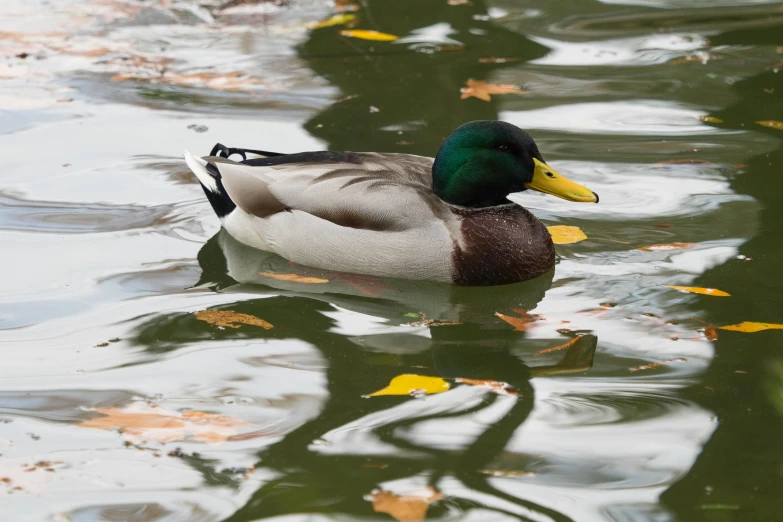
x: 503, y: 148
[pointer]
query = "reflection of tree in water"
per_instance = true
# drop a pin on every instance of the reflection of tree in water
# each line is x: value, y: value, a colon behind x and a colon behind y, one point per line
x: 742, y: 464
x: 416, y: 92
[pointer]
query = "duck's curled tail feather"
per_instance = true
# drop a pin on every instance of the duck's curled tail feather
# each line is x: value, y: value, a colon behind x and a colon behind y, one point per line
x: 209, y: 177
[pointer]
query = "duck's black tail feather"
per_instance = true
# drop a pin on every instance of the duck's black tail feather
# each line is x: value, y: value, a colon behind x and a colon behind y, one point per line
x: 209, y: 176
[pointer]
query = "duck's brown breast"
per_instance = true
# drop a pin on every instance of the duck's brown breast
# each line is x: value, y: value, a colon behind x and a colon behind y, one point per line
x: 500, y: 245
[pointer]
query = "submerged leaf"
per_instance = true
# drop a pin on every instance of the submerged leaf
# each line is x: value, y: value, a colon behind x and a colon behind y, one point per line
x: 229, y: 319
x: 365, y: 34
x: 501, y: 388
x: 656, y: 365
x: 142, y: 423
x: 751, y: 327
x: 410, y: 384
x: 660, y: 247
x: 295, y: 278
x: 405, y: 508
x: 772, y: 124
x: 565, y: 235
x: 520, y: 324
x: 484, y: 91
x: 698, y: 290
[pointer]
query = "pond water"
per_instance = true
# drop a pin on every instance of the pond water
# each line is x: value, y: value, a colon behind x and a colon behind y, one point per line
x: 118, y: 403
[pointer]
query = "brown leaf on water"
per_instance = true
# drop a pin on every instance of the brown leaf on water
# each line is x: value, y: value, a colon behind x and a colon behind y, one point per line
x: 772, y: 124
x: 520, y: 324
x: 484, y: 91
x: 559, y: 347
x: 752, y: 327
x: 711, y: 333
x: 295, y: 278
x: 229, y: 319
x: 501, y: 388
x: 424, y: 321
x: 142, y: 423
x: 660, y: 247
x: 711, y: 119
x: 656, y: 365
x: 405, y: 508
x: 698, y: 290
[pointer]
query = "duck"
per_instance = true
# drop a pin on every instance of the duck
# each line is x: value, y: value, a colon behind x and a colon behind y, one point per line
x: 446, y: 219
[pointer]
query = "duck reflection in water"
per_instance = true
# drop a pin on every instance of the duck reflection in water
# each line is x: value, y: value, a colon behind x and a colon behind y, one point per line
x: 334, y: 477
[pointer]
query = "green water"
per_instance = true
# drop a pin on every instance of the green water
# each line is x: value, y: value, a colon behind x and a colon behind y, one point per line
x: 109, y: 246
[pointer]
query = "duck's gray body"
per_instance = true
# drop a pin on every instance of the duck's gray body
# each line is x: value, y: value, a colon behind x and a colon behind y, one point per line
x: 373, y: 214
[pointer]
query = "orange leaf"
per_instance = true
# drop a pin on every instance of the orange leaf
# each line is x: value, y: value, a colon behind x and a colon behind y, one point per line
x: 751, y: 327
x: 559, y: 347
x: 520, y: 324
x: 711, y: 333
x: 229, y: 319
x: 659, y: 247
x: 405, y: 508
x: 484, y: 91
x: 501, y: 388
x: 698, y: 290
x: 656, y: 365
x: 295, y: 278
x: 142, y: 423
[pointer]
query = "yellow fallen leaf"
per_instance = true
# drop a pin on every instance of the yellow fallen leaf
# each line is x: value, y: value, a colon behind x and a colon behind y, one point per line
x: 501, y: 388
x: 364, y: 34
x: 565, y: 235
x: 338, y: 19
x: 772, y: 124
x: 229, y: 319
x: 410, y: 384
x: 405, y: 508
x: 295, y: 278
x: 520, y: 324
x: 710, y: 119
x: 659, y: 247
x: 750, y: 327
x: 143, y: 423
x: 484, y: 91
x: 698, y: 290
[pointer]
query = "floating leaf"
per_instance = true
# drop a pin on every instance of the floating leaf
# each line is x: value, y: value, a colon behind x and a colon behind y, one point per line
x: 564, y: 346
x: 339, y: 19
x: 229, y: 319
x: 520, y: 324
x: 405, y: 508
x: 698, y: 290
x: 410, y: 384
x: 662, y: 247
x: 711, y: 119
x: 656, y: 365
x: 751, y: 327
x: 142, y: 423
x: 364, y: 34
x: 711, y: 333
x: 294, y: 278
x: 501, y: 388
x: 565, y: 235
x: 772, y: 124
x: 484, y: 91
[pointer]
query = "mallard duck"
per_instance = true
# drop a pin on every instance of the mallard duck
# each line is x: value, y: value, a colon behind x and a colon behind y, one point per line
x: 395, y: 215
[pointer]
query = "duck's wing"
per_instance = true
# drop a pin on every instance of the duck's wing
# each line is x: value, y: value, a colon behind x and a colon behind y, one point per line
x: 371, y: 191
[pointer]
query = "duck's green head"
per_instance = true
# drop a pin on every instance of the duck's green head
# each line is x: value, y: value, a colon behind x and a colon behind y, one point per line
x: 482, y: 162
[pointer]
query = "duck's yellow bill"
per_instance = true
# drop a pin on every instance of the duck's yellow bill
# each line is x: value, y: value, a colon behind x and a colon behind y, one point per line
x: 547, y: 180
